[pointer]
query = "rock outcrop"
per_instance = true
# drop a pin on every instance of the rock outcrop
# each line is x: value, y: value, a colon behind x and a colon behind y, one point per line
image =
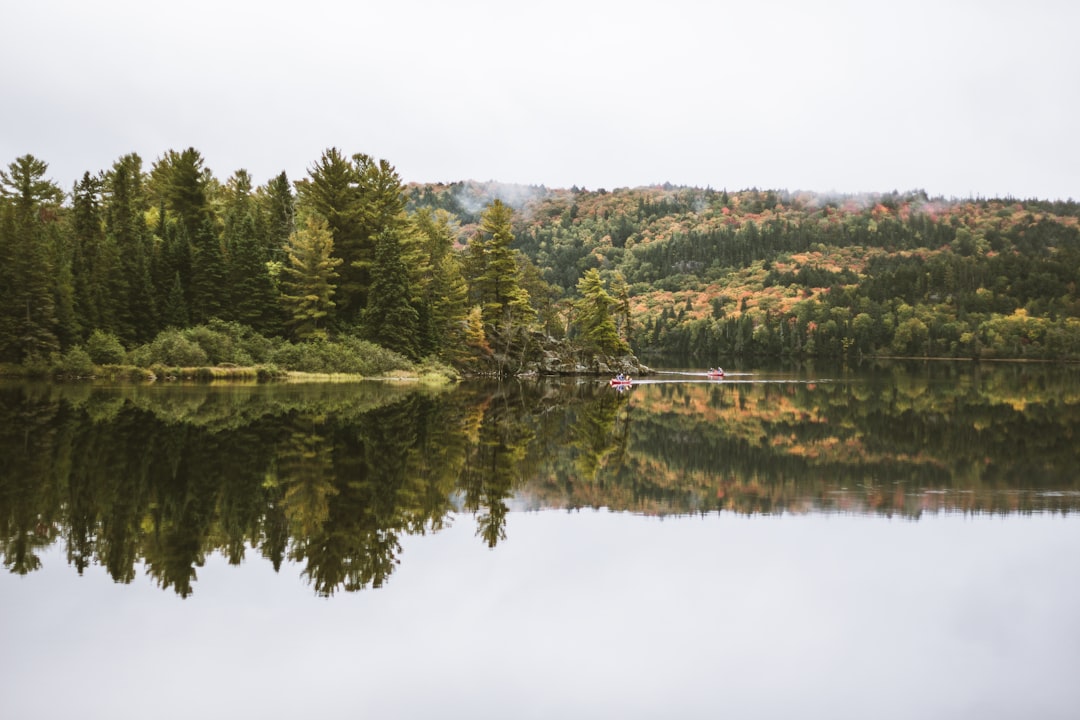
x: 563, y: 357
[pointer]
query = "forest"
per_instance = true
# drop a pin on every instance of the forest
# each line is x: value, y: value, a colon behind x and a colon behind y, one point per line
x: 349, y: 269
x: 715, y: 274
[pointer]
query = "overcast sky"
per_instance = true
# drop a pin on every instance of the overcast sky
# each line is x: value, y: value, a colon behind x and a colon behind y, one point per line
x: 958, y: 98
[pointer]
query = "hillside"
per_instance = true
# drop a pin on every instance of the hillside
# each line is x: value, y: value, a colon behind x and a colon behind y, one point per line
x: 713, y: 273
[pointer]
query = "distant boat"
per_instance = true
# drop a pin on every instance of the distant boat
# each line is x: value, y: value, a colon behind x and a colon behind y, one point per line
x: 715, y: 373
x: 621, y: 382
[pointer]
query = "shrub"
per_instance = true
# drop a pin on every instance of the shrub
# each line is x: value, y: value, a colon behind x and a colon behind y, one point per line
x: 170, y: 347
x: 266, y: 373
x: 105, y: 348
x: 344, y: 355
x: 75, y: 363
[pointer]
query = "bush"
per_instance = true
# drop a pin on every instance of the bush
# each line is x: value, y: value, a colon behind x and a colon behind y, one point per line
x: 230, y: 342
x: 105, y: 348
x: 266, y: 373
x: 75, y: 363
x: 170, y: 347
x: 216, y: 343
x: 344, y: 355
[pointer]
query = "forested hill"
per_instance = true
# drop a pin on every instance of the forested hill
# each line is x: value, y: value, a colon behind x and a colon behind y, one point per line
x: 714, y: 273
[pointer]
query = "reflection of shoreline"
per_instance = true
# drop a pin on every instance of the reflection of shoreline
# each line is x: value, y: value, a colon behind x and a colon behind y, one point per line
x: 910, y: 505
x: 336, y: 475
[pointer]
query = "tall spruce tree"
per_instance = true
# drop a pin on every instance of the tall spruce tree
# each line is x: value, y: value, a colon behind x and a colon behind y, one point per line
x: 28, y: 323
x: 594, y: 317
x: 494, y: 280
x: 181, y: 181
x: 278, y: 205
x: 209, y: 291
x: 310, y: 279
x: 382, y: 213
x: 254, y: 299
x: 174, y: 311
x: 361, y: 198
x: 391, y: 320
x: 443, y: 301
x: 93, y: 266
x: 131, y: 287
x: 331, y: 191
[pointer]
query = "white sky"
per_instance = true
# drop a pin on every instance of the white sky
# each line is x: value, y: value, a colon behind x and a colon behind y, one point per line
x: 958, y: 98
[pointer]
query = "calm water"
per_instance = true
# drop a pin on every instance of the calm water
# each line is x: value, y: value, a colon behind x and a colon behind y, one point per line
x: 885, y: 541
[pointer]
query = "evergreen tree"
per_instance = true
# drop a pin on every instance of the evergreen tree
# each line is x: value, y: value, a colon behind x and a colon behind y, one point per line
x: 68, y: 329
x: 382, y: 213
x: 331, y: 191
x: 593, y: 315
x: 28, y: 323
x: 253, y: 291
x: 91, y: 266
x: 279, y: 207
x: 181, y: 182
x: 131, y: 289
x: 172, y: 261
x: 493, y: 270
x: 443, y: 294
x: 309, y: 287
x: 174, y: 309
x: 391, y: 320
x: 361, y: 199
x: 209, y: 289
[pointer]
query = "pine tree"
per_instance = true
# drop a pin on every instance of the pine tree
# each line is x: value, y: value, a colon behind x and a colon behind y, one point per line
x: 131, y: 291
x: 382, y: 212
x: 90, y: 265
x: 442, y: 290
x: 252, y: 289
x: 209, y: 290
x: 493, y: 270
x: 310, y: 274
x: 181, y: 182
x: 28, y: 323
x: 593, y: 315
x: 331, y: 191
x: 279, y: 207
x: 361, y: 199
x: 391, y: 320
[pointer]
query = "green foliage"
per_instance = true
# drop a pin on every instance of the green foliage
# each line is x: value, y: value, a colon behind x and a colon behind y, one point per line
x: 75, y: 363
x: 690, y: 270
x: 345, y: 355
x: 493, y: 272
x: 105, y: 348
x: 172, y: 348
x: 594, y: 317
x: 311, y: 273
x: 28, y: 261
x: 216, y: 343
x: 361, y: 199
x: 390, y: 319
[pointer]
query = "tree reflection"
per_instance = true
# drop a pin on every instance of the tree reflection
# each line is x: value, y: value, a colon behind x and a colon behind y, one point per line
x: 305, y: 469
x: 332, y: 478
x: 492, y: 466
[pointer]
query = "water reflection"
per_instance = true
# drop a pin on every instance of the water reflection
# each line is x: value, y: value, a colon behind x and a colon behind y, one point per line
x: 332, y: 477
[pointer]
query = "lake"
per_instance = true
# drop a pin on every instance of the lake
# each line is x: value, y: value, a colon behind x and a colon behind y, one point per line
x: 885, y: 540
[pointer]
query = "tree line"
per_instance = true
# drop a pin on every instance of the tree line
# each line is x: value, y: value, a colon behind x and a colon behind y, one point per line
x: 453, y: 272
x: 130, y: 253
